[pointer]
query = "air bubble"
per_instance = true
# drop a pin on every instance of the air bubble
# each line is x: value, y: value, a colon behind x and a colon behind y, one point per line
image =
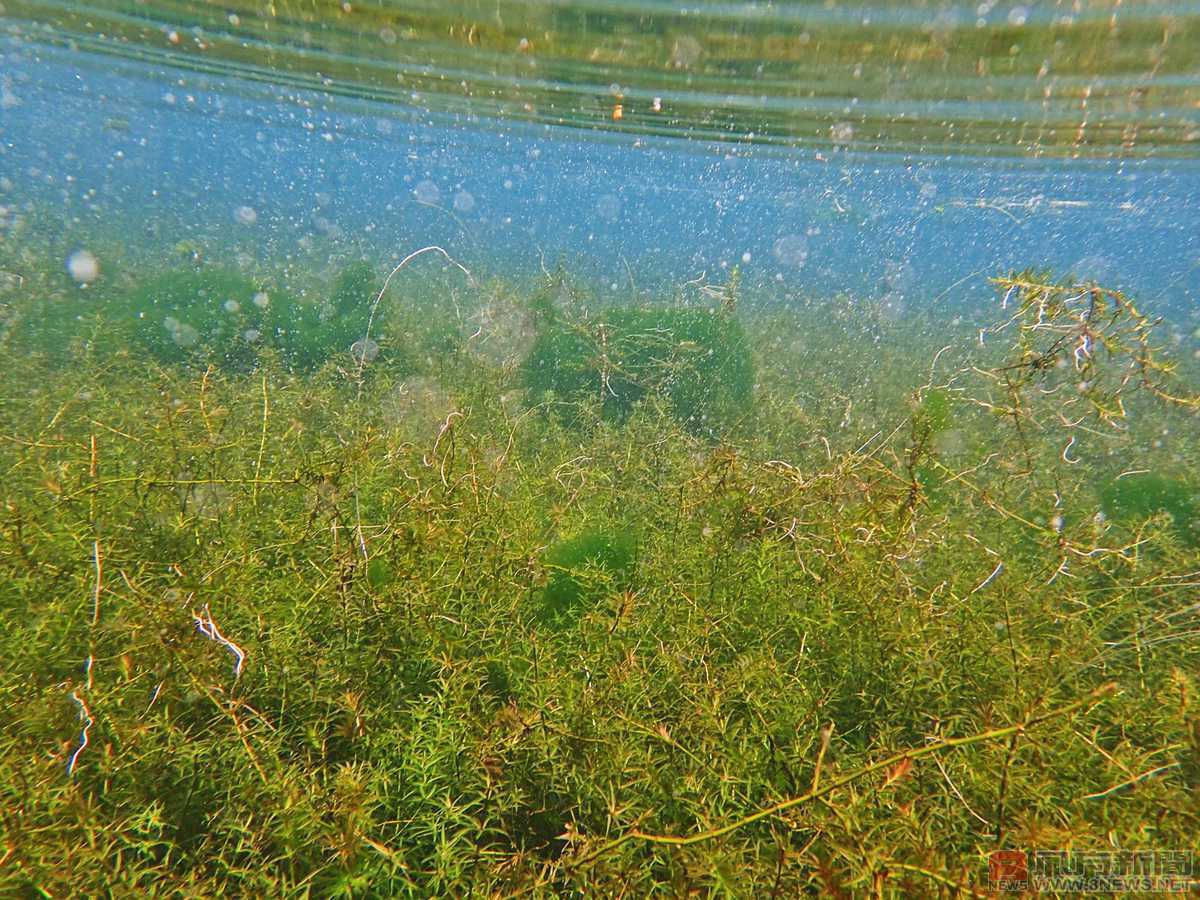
x: 427, y: 192
x: 464, y: 202
x: 364, y: 351
x: 790, y: 250
x: 608, y: 208
x: 83, y: 266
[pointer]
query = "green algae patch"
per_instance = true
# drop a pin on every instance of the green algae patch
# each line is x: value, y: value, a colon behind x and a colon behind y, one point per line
x: 220, y: 317
x: 1135, y: 498
x: 582, y: 567
x: 935, y: 410
x: 349, y: 310
x: 696, y: 361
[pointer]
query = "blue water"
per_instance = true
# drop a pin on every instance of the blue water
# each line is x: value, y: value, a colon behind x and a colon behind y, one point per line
x: 162, y: 156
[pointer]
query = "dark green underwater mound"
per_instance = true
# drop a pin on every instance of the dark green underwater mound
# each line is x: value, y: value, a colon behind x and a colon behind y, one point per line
x: 1136, y: 498
x: 218, y: 316
x: 221, y: 317
x: 698, y: 361
x: 582, y: 566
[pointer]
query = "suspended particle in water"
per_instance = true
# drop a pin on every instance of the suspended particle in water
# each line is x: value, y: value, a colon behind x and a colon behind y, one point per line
x: 1095, y: 267
x: 899, y: 276
x: 245, y: 215
x: 261, y: 300
x: 251, y: 335
x: 1018, y: 16
x: 387, y: 35
x: 686, y: 52
x: 790, y: 250
x: 464, y: 202
x: 232, y: 306
x: 524, y: 46
x: 427, y: 192
x: 364, y: 351
x: 746, y: 257
x: 8, y: 100
x: 608, y: 208
x: 83, y: 266
x: 185, y: 335
x: 841, y: 132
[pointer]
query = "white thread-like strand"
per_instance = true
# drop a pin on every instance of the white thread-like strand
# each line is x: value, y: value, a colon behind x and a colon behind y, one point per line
x: 995, y: 572
x: 85, y: 716
x: 207, y: 627
x: 153, y: 697
x: 1083, y: 351
x: 1066, y: 450
x: 404, y: 262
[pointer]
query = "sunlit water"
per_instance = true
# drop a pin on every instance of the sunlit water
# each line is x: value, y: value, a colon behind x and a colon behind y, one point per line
x: 823, y: 148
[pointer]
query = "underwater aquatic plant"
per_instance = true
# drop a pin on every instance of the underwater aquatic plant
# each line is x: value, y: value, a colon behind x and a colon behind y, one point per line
x: 349, y: 309
x: 399, y: 700
x: 698, y: 361
x: 582, y: 564
x: 1137, y: 496
x: 218, y: 316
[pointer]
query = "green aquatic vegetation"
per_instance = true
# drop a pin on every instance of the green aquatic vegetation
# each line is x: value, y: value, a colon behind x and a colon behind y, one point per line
x: 300, y: 633
x: 581, y: 566
x: 350, y: 303
x: 696, y: 361
x: 218, y: 316
x: 213, y: 315
x: 1135, y: 497
x: 934, y: 412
